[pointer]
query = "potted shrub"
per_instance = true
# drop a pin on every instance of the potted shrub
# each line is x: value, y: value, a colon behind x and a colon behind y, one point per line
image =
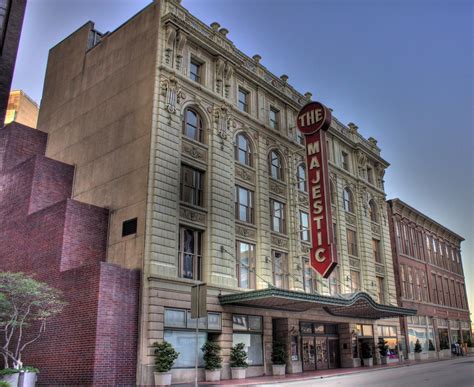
x: 3, y: 383
x: 470, y: 349
x: 165, y: 356
x: 10, y: 376
x: 238, y: 361
x: 419, y: 354
x: 212, y: 361
x: 383, y: 349
x: 366, y: 350
x: 279, y: 358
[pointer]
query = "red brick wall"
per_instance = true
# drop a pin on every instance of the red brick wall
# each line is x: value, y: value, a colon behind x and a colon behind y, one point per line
x: 63, y: 242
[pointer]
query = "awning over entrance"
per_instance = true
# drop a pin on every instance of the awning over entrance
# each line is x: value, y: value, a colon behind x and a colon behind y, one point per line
x: 358, y: 305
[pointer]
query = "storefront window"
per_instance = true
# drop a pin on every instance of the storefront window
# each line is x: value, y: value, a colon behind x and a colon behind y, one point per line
x: 182, y: 341
x: 253, y: 341
x: 417, y: 334
x: 294, y: 348
x: 443, y: 338
x: 389, y: 334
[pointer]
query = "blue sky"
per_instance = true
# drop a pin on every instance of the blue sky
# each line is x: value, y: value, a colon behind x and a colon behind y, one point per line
x: 402, y: 70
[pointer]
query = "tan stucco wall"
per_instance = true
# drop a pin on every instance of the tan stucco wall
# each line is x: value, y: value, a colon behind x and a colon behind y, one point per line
x: 97, y: 108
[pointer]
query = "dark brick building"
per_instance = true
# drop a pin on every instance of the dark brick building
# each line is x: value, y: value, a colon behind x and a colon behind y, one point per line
x: 63, y: 242
x: 430, y: 278
x: 11, y: 21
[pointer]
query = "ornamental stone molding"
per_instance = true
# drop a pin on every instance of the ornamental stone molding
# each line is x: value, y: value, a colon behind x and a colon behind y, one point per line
x: 192, y: 215
x: 194, y: 151
x: 246, y: 232
x: 244, y: 174
x: 280, y: 242
x: 350, y: 218
x: 375, y: 228
x: 304, y: 249
x: 223, y: 120
x: 171, y: 90
x: 354, y: 262
x: 379, y: 269
x: 303, y: 199
x: 277, y: 188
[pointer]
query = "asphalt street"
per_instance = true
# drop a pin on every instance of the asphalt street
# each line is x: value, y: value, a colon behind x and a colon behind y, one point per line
x: 454, y: 373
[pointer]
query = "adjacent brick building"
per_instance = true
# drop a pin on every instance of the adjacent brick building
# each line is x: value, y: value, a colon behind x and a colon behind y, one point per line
x: 11, y: 22
x: 430, y: 278
x: 63, y: 242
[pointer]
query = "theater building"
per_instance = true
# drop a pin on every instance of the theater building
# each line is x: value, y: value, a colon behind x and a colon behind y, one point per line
x: 428, y: 266
x: 192, y: 146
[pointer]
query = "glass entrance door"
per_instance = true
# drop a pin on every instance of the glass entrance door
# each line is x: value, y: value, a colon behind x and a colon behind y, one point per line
x: 322, y: 361
x: 309, y: 360
x: 333, y: 350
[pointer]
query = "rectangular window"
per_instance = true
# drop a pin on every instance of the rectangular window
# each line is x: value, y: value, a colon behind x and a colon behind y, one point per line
x: 243, y: 100
x: 404, y: 281
x: 410, y: 283
x: 304, y: 226
x: 434, y: 295
x: 299, y: 137
x: 308, y: 278
x: 380, y: 290
x: 280, y: 269
x: 191, y: 185
x: 355, y: 281
x: 428, y: 249
x: 439, y: 285
x: 195, y: 69
x: 452, y: 293
x: 129, y: 227
x: 418, y: 285
x: 274, y: 118
x: 334, y: 282
x: 248, y: 330
x: 245, y: 253
x: 182, y: 341
x: 376, y: 251
x: 190, y: 253
x: 446, y: 291
x: 345, y: 161
x: 243, y: 204
x: 370, y: 175
x: 352, y: 242
x: 278, y: 222
x: 424, y: 283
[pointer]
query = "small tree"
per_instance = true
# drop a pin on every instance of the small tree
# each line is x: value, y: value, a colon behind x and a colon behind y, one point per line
x: 430, y: 345
x: 418, y: 348
x: 238, y: 356
x: 279, y: 354
x: 469, y: 341
x: 25, y: 307
x: 366, y: 350
x: 383, y: 347
x: 165, y: 356
x: 212, y: 359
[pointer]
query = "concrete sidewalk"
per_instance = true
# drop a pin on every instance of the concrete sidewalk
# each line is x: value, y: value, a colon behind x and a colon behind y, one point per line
x: 310, y: 375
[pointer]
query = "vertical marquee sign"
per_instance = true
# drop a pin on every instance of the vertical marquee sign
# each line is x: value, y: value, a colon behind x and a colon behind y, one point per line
x: 313, y: 121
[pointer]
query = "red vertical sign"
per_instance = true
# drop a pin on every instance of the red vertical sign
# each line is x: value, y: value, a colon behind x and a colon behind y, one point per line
x: 313, y: 121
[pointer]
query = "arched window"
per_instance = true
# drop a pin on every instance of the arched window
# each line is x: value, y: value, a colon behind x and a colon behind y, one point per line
x: 373, y: 211
x: 332, y: 192
x: 275, y: 166
x: 301, y: 175
x: 243, y: 151
x: 192, y: 127
x: 348, y: 199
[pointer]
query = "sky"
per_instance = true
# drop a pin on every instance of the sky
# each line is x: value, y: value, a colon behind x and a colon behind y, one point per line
x: 402, y: 70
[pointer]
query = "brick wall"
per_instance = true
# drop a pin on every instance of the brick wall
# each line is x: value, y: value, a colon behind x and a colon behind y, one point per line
x: 63, y: 242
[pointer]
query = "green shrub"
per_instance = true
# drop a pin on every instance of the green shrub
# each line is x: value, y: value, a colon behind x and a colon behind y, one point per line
x: 212, y: 359
x: 4, y: 383
x: 469, y: 341
x: 30, y: 369
x: 279, y: 354
x: 238, y: 356
x: 366, y: 350
x: 418, y: 348
x: 430, y: 345
x: 9, y: 371
x: 383, y: 347
x: 165, y: 356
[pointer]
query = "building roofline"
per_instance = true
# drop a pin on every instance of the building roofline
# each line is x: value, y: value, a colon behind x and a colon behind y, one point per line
x: 402, y: 203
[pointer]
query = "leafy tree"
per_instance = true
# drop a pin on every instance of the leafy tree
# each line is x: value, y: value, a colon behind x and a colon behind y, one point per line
x: 212, y: 359
x: 238, y: 356
x: 418, y: 348
x: 25, y: 307
x: 165, y: 356
x: 383, y: 347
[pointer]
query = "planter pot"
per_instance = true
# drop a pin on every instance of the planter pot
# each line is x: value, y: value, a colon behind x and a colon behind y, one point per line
x: 278, y: 369
x: 368, y: 362
x: 393, y: 360
x: 238, y: 372
x: 421, y: 356
x: 12, y: 379
x: 383, y: 360
x: 213, y: 376
x: 162, y: 378
x: 29, y: 379
x: 470, y: 349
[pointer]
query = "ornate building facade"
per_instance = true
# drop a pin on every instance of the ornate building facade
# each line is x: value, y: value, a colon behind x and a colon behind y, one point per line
x: 430, y: 278
x: 192, y: 146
